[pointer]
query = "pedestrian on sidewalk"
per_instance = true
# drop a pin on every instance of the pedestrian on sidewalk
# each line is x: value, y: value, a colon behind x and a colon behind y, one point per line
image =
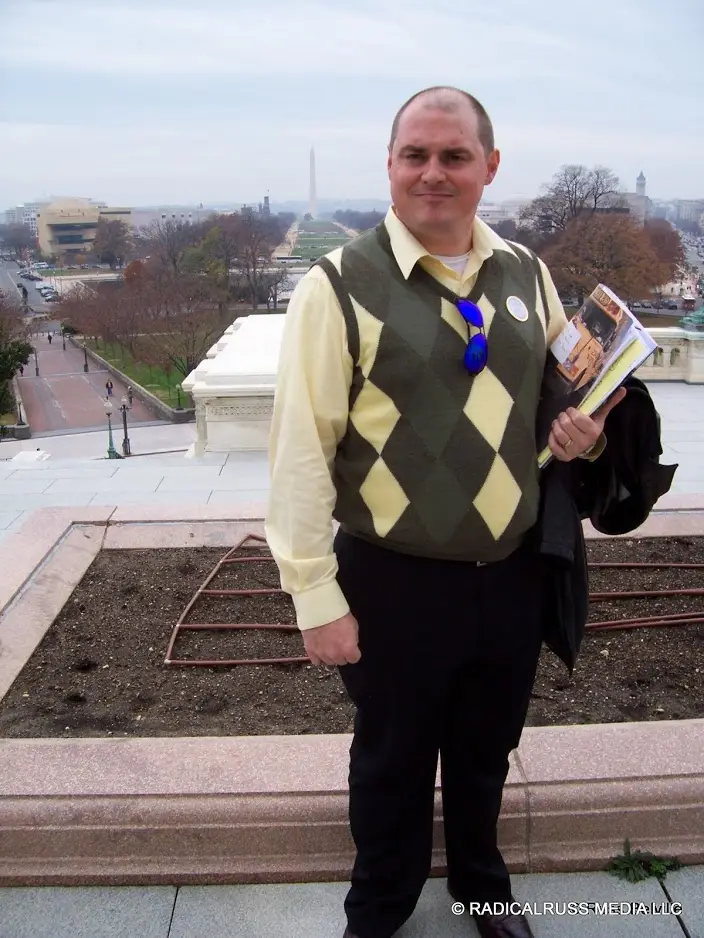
x: 398, y: 416
x: 108, y: 388
x: 21, y: 371
x: 49, y: 337
x: 130, y: 394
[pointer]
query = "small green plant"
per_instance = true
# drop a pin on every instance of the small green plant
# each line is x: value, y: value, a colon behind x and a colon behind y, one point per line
x: 637, y: 865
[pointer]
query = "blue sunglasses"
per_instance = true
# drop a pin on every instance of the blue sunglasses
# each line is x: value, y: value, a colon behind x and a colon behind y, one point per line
x: 476, y: 354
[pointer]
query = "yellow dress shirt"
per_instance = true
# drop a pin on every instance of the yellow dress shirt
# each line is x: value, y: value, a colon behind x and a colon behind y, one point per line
x: 311, y: 408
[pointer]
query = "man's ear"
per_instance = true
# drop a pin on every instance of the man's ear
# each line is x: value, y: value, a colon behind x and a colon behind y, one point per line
x: 492, y: 166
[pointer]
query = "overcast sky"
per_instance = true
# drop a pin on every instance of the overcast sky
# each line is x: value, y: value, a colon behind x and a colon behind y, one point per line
x: 163, y: 101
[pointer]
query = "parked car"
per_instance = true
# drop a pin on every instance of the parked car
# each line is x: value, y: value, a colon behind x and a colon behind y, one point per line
x: 670, y: 304
x: 646, y: 304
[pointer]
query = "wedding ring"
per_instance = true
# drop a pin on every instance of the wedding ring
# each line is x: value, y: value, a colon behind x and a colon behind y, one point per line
x: 568, y: 443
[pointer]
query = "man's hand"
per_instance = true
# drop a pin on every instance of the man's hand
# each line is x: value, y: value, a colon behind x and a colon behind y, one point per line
x: 333, y: 643
x: 573, y: 433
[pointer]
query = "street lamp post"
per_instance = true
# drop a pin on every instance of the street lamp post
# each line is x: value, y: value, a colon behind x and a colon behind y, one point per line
x: 36, y: 362
x: 112, y: 452
x: 63, y: 338
x: 126, y: 451
x: 85, y: 358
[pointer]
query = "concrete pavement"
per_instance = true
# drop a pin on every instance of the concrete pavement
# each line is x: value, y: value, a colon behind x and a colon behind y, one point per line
x: 79, y: 474
x: 316, y: 910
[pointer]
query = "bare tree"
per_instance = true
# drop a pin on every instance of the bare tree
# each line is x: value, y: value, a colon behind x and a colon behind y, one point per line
x: 179, y: 327
x: 573, y: 191
x: 112, y: 241
x: 167, y: 242
x: 256, y: 243
x: 276, y: 280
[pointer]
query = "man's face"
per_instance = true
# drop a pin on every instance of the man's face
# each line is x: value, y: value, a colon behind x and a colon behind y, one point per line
x: 438, y: 170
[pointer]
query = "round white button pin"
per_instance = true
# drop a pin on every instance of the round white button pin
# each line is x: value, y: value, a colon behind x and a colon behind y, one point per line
x: 517, y: 308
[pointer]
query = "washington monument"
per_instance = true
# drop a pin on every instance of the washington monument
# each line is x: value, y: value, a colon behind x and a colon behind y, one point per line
x: 312, y: 197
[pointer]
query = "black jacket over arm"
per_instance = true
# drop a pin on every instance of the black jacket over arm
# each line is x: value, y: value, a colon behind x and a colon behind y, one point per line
x: 616, y: 492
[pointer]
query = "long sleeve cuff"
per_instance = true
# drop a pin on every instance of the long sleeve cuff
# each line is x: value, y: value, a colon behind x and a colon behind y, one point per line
x: 596, y: 450
x: 320, y: 605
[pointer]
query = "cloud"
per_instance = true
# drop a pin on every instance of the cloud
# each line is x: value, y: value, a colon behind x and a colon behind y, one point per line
x: 148, y: 100
x: 306, y: 38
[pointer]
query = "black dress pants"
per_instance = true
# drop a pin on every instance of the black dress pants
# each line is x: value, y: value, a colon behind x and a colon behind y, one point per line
x: 449, y: 654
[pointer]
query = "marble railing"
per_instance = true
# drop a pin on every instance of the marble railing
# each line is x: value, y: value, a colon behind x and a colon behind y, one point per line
x: 233, y: 387
x: 678, y: 357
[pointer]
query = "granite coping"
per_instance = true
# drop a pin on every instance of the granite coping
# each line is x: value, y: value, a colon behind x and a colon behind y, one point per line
x: 274, y: 808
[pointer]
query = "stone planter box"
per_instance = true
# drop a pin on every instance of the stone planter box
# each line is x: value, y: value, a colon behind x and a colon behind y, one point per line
x: 274, y: 809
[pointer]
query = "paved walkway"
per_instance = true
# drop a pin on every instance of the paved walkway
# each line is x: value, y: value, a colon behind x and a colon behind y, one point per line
x: 314, y: 910
x: 79, y: 474
x: 64, y: 397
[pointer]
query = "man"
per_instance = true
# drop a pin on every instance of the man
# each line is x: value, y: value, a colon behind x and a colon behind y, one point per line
x: 408, y: 414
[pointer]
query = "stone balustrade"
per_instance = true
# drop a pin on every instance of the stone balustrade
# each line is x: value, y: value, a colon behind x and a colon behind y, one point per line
x: 678, y: 357
x: 233, y: 387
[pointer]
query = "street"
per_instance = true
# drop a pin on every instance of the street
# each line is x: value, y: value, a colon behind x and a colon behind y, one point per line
x: 10, y: 277
x: 64, y: 397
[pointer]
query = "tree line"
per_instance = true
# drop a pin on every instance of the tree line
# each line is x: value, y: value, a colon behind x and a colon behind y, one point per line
x: 179, y: 293
x: 15, y: 350
x: 582, y: 228
x: 358, y: 221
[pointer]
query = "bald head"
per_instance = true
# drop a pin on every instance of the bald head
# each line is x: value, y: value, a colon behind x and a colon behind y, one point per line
x: 448, y: 99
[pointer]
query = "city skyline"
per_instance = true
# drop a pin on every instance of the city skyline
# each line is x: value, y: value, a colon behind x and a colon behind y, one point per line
x: 223, y: 103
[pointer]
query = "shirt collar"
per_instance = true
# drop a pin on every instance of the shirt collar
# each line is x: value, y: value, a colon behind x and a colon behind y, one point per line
x: 408, y: 250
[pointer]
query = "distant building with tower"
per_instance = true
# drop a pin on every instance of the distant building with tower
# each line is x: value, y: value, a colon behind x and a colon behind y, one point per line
x: 639, y: 205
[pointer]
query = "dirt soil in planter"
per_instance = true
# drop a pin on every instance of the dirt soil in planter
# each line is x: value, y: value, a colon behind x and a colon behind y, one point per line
x: 99, y: 671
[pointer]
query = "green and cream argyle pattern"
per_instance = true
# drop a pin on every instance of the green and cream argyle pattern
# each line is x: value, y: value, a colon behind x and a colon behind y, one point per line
x: 434, y: 461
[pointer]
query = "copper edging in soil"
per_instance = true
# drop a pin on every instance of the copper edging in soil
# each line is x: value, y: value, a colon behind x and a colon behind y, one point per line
x: 651, y: 566
x: 607, y: 625
x: 683, y: 618
x: 239, y: 625
x: 204, y: 626
x: 634, y: 594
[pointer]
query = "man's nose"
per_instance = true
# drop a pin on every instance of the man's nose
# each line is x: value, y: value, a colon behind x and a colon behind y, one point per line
x: 434, y: 171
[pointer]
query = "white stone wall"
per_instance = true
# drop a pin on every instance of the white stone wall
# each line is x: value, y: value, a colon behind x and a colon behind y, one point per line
x: 233, y: 388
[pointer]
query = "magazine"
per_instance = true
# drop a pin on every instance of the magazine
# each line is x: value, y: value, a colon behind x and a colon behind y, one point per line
x: 594, y: 354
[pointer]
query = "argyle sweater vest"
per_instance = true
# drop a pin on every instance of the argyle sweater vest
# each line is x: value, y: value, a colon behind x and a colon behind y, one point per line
x: 436, y: 462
